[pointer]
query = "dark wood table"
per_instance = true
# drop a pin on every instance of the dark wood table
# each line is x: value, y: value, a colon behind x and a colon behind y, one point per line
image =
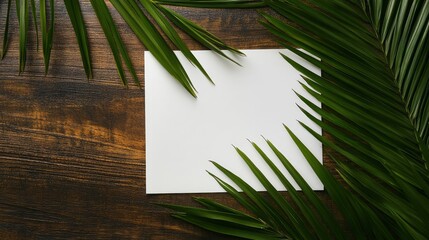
x: 72, y: 152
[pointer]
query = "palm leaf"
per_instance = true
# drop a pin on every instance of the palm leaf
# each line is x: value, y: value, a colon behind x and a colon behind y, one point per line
x: 113, y: 37
x: 401, y: 159
x: 172, y: 34
x: 47, y: 32
x: 146, y: 31
x: 36, y: 28
x: 75, y: 14
x: 375, y: 88
x: 152, y: 39
x: 199, y: 34
x: 22, y: 11
x: 6, y: 31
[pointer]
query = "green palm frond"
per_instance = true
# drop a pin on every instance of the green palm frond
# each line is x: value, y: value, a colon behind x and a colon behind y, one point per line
x: 113, y: 37
x: 136, y: 14
x: 389, y: 149
x: 6, y: 31
x: 33, y: 10
x: 199, y: 34
x: 47, y: 32
x: 75, y: 14
x: 375, y: 92
x: 22, y: 11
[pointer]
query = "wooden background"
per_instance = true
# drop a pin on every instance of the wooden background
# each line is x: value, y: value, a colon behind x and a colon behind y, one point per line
x: 72, y: 152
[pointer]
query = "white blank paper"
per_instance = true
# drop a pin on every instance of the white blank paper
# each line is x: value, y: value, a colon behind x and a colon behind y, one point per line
x: 248, y: 102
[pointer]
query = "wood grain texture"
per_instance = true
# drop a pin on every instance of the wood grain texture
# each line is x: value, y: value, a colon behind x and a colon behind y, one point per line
x: 72, y: 158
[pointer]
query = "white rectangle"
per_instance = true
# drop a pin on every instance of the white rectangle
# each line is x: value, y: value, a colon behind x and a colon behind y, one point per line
x: 184, y: 133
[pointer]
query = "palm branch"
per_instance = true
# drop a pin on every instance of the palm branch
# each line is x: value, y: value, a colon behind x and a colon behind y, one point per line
x: 132, y: 12
x: 375, y: 92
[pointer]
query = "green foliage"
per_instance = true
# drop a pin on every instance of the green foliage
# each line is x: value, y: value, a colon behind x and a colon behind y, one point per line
x: 75, y: 13
x: 136, y: 14
x: 118, y: 48
x: 374, y: 89
x: 6, y: 31
x: 47, y: 32
x: 22, y: 11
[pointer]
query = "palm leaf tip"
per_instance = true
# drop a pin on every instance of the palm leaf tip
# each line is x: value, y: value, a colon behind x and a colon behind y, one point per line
x: 23, y: 21
x: 75, y: 14
x: 6, y: 31
x: 114, y: 39
x: 200, y: 34
x: 47, y: 32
